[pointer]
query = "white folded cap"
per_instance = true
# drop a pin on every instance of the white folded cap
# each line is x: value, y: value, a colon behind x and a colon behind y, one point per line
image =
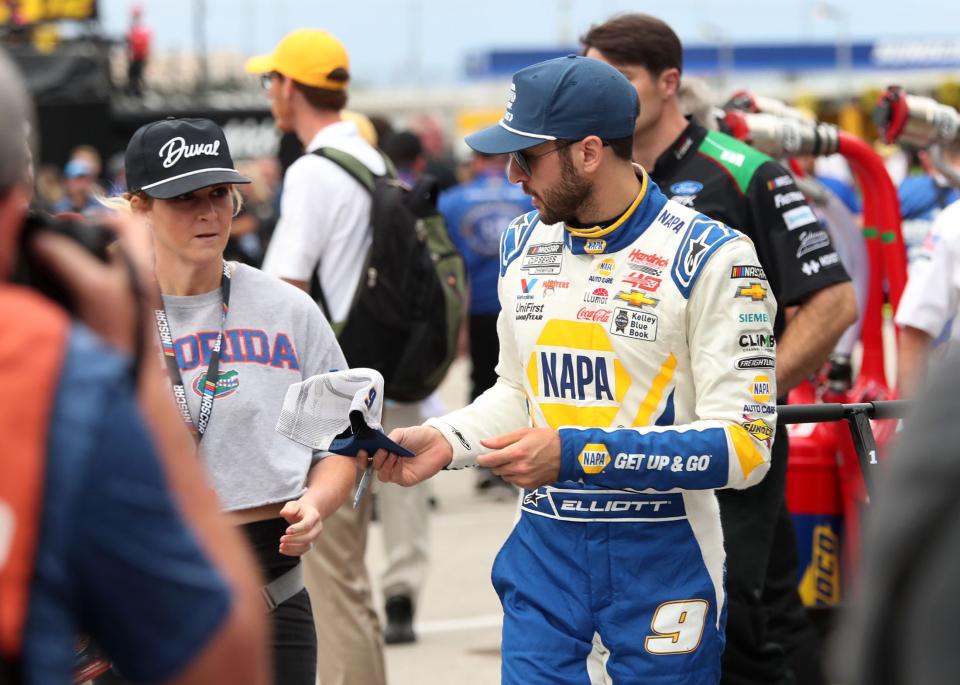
x: 317, y: 410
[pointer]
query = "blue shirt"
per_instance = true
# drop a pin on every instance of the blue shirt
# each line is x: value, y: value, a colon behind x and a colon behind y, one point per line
x: 115, y: 559
x: 921, y: 200
x: 90, y: 209
x: 845, y: 192
x: 477, y: 212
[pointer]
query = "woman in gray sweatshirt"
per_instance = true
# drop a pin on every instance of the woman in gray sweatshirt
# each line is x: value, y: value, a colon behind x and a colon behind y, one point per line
x: 234, y: 339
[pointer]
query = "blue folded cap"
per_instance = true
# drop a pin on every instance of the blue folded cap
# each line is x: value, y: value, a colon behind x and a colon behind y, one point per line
x: 360, y: 436
x: 568, y: 98
x: 337, y: 412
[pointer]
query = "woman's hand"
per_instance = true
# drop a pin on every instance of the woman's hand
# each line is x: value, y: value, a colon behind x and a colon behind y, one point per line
x: 305, y: 526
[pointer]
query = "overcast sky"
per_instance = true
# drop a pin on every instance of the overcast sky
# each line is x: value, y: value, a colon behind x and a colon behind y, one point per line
x: 429, y: 41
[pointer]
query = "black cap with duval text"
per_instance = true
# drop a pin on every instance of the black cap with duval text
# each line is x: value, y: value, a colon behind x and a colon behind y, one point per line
x: 172, y: 157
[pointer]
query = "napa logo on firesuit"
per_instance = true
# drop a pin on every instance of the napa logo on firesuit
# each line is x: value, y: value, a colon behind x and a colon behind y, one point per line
x: 594, y: 457
x: 574, y: 376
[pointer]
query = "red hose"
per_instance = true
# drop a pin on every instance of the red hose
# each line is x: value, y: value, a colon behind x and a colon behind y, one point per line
x: 888, y: 217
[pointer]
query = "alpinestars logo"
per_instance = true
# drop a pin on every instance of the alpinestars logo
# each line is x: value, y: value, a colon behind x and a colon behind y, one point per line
x: 533, y: 498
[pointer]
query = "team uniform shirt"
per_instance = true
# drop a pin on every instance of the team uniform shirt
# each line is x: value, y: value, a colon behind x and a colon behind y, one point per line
x: 115, y: 559
x: 922, y: 198
x: 476, y: 214
x: 639, y: 355
x: 932, y: 294
x: 743, y: 188
x: 274, y: 335
x: 734, y: 183
x: 835, y: 215
x: 324, y: 225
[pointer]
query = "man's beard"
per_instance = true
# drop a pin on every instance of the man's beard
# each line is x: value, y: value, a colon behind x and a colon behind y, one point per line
x: 565, y: 200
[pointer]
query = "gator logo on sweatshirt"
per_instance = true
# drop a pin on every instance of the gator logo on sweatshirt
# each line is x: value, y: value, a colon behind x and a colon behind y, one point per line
x: 227, y: 384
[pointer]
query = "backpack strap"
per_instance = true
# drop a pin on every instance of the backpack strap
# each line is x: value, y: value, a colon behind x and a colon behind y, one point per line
x: 357, y: 169
x: 367, y: 180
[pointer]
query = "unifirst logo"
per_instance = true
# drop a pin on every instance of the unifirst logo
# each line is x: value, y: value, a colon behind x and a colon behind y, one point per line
x: 594, y: 458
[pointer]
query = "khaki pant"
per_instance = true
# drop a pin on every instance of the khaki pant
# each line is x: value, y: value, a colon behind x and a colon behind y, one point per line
x: 349, y: 636
x: 403, y: 517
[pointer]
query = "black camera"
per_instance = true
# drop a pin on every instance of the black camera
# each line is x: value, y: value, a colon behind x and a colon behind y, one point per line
x: 31, y: 271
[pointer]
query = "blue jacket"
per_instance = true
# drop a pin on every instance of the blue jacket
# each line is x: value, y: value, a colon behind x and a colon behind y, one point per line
x: 477, y: 213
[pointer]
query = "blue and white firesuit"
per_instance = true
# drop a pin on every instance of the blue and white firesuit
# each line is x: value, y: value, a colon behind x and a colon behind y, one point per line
x: 652, y: 353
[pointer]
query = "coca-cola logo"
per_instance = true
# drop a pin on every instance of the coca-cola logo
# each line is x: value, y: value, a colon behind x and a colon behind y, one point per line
x: 598, y: 315
x: 644, y: 258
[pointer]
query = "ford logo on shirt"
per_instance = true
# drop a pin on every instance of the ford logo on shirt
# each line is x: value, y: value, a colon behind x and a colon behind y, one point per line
x: 686, y: 188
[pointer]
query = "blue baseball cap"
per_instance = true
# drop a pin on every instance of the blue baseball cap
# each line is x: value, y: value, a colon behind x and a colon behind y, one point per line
x: 568, y: 98
x: 76, y: 168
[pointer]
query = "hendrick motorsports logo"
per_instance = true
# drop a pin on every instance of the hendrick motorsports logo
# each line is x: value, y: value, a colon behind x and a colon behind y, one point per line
x: 594, y: 457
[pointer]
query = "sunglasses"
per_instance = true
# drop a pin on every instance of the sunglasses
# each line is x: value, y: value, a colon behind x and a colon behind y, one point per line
x: 266, y: 80
x: 522, y: 158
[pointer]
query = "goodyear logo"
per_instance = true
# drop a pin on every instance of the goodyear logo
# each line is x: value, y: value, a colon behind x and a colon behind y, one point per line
x: 754, y: 291
x: 595, y: 246
x: 759, y: 429
x: 594, y: 457
x: 760, y: 389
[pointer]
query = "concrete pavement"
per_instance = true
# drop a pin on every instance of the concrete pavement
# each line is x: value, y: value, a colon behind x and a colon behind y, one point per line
x: 459, y: 617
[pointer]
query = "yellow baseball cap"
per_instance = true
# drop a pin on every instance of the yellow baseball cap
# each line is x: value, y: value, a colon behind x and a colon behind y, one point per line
x: 308, y: 56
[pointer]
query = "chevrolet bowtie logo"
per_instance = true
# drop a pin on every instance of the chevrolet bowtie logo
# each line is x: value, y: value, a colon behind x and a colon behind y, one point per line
x: 755, y: 292
x: 637, y: 299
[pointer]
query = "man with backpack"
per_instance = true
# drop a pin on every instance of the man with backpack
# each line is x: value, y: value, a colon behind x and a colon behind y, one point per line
x: 323, y: 233
x: 376, y: 256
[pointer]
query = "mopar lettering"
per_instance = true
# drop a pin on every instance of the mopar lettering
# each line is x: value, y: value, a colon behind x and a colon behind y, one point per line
x: 575, y: 377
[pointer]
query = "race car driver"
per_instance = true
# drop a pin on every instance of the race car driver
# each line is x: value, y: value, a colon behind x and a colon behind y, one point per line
x: 770, y: 638
x: 623, y: 398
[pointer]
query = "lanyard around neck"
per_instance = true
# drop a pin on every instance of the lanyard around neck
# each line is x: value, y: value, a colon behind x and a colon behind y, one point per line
x: 209, y: 386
